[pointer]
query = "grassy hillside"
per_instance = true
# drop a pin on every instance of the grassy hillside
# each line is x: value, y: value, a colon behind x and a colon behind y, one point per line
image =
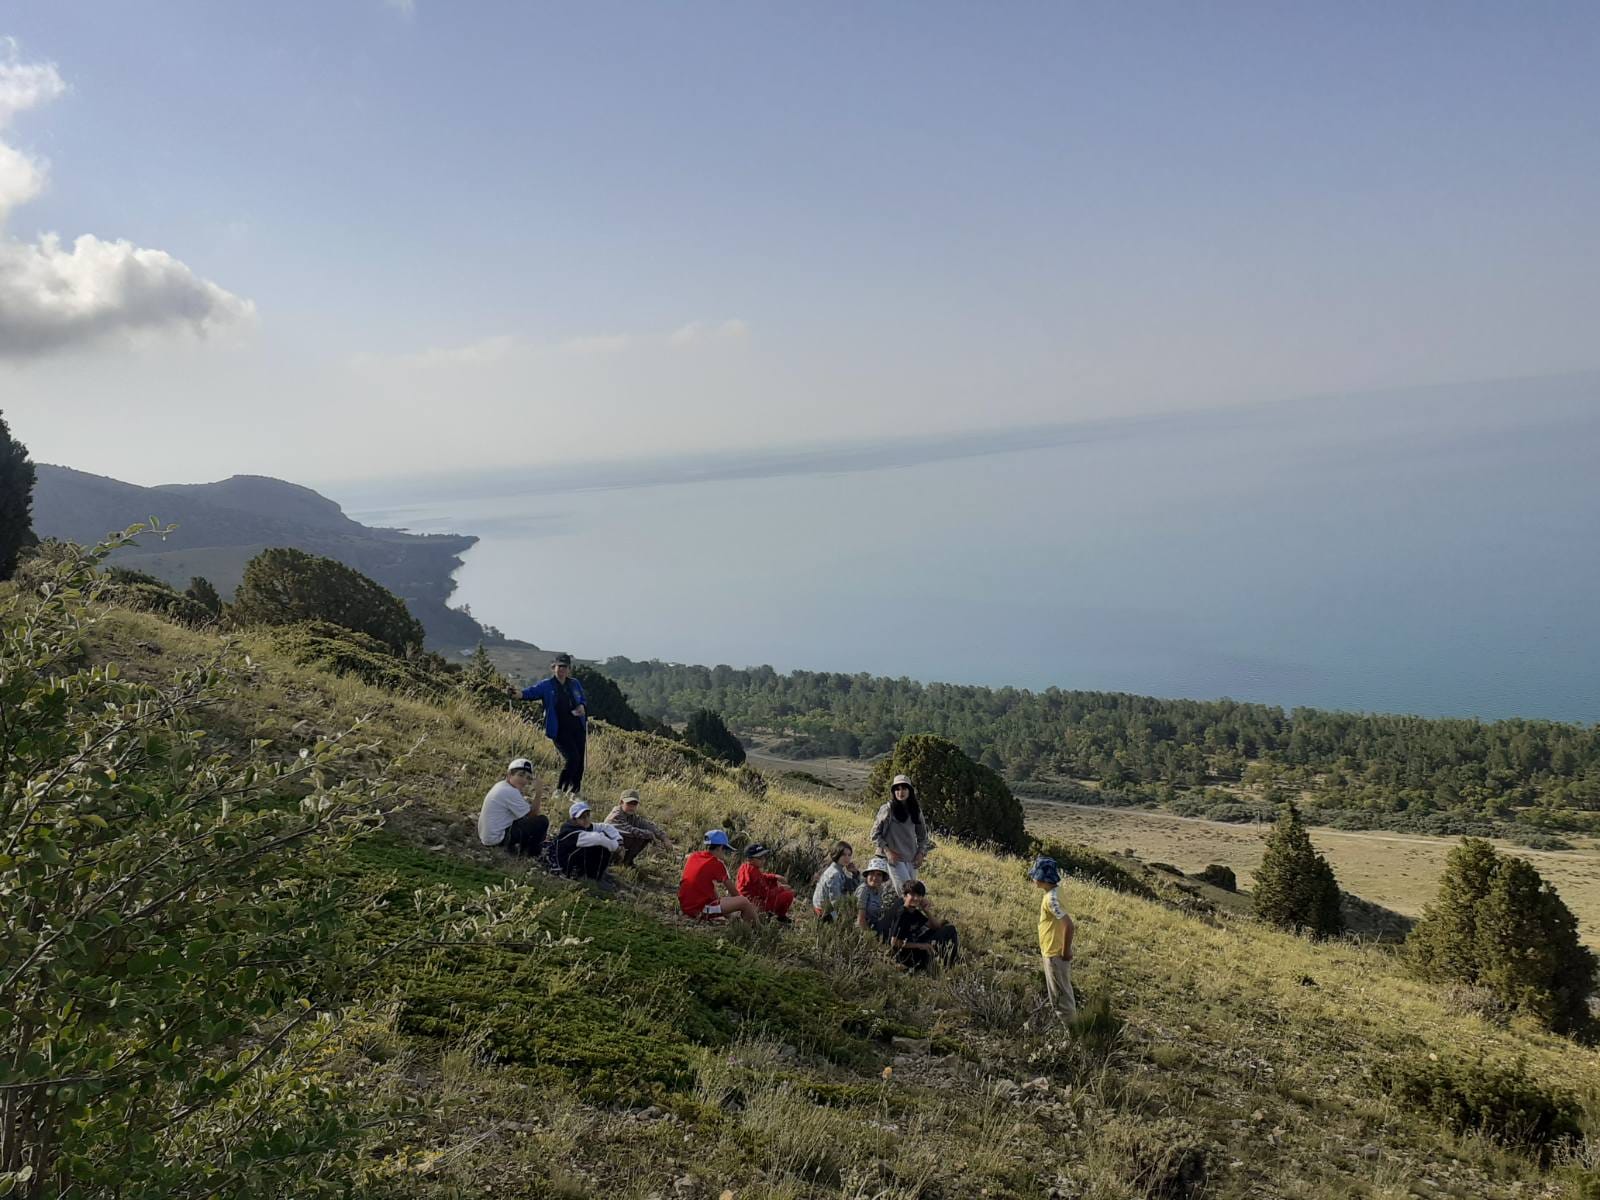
x: 614, y: 1050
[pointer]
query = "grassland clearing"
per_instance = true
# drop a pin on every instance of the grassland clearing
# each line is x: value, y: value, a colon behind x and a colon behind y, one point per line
x: 1399, y: 871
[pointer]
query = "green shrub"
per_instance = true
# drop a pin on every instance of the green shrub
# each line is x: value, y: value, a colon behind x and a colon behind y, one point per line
x: 342, y: 651
x: 1497, y: 924
x: 482, y: 684
x: 707, y: 733
x: 168, y: 1030
x: 1479, y: 1096
x: 145, y: 593
x: 283, y: 586
x: 1220, y: 876
x: 201, y: 591
x: 957, y: 795
x: 1295, y: 888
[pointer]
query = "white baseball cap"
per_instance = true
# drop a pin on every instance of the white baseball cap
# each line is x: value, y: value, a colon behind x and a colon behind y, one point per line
x: 579, y: 807
x: 520, y: 764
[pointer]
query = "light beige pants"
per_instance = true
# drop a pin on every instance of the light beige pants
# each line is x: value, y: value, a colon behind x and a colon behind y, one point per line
x: 1058, y: 981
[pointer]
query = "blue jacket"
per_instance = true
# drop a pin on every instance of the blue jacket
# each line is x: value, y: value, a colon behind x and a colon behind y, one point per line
x: 545, y: 690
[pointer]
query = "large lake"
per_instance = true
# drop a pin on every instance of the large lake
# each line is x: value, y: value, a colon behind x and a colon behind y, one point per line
x: 1430, y: 552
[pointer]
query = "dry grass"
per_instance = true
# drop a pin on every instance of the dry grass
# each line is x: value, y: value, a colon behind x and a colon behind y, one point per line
x: 1399, y: 871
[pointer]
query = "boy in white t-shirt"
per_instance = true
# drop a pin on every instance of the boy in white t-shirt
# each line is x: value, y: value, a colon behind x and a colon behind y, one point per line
x: 508, y: 818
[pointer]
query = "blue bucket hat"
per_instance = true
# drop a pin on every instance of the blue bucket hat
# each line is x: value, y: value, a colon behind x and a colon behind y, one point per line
x: 1046, y: 871
x: 717, y: 838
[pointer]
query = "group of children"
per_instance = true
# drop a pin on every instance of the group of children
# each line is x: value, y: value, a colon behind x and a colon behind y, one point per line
x: 888, y: 898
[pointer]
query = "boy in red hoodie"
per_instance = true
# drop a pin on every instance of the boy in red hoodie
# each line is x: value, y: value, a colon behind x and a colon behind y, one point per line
x: 770, y: 893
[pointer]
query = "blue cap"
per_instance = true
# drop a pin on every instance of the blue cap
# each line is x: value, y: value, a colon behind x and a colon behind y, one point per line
x: 717, y: 838
x: 1046, y: 871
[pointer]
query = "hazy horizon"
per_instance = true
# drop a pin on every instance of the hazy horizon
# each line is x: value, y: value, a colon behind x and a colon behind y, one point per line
x: 348, y: 242
x: 1361, y: 556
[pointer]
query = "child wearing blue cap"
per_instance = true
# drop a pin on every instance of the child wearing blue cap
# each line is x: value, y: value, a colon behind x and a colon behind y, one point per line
x: 1055, y: 938
x: 702, y: 872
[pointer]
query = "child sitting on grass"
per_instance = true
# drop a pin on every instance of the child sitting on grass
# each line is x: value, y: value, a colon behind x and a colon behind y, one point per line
x: 838, y: 880
x: 702, y: 872
x: 768, y: 892
x: 1055, y: 938
x: 920, y: 937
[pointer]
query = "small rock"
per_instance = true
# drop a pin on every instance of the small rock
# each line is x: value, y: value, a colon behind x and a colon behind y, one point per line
x: 1369, y: 1152
x: 1041, y: 1084
x: 650, y: 1114
x: 912, y: 1045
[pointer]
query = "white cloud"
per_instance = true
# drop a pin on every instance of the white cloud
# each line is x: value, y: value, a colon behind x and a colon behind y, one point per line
x: 696, y: 332
x: 53, y: 297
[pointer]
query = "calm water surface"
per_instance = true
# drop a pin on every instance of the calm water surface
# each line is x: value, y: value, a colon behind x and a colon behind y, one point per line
x: 1432, y: 553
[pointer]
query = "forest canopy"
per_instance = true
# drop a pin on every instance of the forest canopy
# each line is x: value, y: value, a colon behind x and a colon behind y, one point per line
x: 1221, y: 758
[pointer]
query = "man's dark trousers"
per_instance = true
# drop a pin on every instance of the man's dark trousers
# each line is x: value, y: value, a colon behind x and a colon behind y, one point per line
x: 526, y: 835
x: 572, y: 742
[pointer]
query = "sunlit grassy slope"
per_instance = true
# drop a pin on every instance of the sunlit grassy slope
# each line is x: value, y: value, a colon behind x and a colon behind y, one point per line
x: 629, y: 1054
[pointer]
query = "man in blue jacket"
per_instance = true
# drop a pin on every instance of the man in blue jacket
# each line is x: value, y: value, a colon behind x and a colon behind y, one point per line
x: 566, y: 720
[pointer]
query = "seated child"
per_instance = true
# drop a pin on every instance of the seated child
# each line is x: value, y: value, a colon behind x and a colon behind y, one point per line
x: 877, y: 906
x: 768, y: 892
x: 838, y: 880
x: 919, y: 937
x: 702, y: 872
x: 584, y: 849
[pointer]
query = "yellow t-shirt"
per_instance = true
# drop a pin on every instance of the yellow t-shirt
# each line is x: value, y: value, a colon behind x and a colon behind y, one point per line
x: 1055, y: 927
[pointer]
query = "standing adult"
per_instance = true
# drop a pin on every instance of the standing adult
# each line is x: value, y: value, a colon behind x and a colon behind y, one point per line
x: 566, y: 719
x: 900, y: 834
x: 508, y: 818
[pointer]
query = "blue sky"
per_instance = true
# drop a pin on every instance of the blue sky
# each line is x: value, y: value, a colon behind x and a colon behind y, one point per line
x: 418, y: 238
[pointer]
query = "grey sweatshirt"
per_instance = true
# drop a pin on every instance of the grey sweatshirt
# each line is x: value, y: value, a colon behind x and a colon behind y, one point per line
x: 635, y: 824
x: 906, y: 838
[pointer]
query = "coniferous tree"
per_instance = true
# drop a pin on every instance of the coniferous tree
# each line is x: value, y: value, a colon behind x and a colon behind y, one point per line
x: 482, y: 683
x: 605, y: 701
x: 16, y: 501
x: 284, y: 586
x: 1497, y: 924
x: 1295, y: 887
x: 1444, y: 943
x: 201, y: 591
x: 707, y: 732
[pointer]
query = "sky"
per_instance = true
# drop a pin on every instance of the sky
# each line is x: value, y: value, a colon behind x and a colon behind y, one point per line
x: 370, y: 239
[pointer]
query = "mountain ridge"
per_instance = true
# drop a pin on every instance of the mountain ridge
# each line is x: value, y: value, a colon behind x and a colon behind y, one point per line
x: 221, y: 525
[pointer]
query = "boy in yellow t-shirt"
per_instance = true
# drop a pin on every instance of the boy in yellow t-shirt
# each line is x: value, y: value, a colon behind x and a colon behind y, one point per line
x: 1055, y: 938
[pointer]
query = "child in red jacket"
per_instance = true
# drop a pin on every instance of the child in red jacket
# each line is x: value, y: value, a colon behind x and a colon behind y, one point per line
x: 770, y: 893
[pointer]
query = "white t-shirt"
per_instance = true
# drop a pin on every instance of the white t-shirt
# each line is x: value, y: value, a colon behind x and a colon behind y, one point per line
x: 503, y: 805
